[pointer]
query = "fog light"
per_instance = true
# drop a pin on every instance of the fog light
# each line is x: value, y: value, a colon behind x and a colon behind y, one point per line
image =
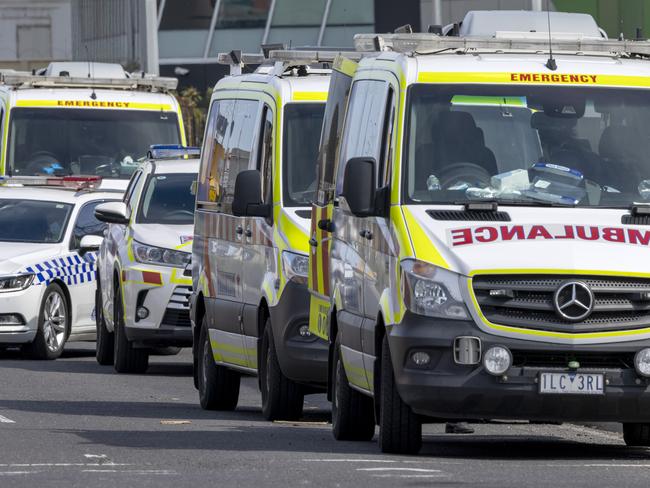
x: 642, y: 362
x: 11, y: 319
x: 497, y: 360
x: 421, y: 358
x: 304, y: 331
x: 142, y: 313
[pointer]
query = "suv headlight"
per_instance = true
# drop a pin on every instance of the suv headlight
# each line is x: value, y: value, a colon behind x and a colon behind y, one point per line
x: 159, y: 255
x: 16, y: 282
x: 295, y: 267
x: 432, y: 291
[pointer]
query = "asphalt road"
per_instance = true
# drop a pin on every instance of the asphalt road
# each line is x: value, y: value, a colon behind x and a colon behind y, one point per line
x: 73, y: 423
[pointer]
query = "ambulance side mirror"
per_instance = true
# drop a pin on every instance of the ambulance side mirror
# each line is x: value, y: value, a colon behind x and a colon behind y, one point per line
x: 247, y: 200
x: 359, y: 187
x: 112, y: 213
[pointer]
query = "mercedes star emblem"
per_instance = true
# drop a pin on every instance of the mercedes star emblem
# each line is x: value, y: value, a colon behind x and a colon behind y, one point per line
x: 574, y: 301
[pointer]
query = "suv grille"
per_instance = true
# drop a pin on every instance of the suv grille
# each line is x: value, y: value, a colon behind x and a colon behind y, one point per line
x: 526, y: 301
x: 177, y: 318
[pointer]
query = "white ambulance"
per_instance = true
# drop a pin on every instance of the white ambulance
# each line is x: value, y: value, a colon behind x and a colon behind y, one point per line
x: 78, y: 118
x: 481, y: 244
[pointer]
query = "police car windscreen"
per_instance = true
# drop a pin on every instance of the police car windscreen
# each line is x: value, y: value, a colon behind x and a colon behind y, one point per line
x: 527, y: 145
x: 302, y: 128
x: 65, y: 141
x: 33, y: 220
x: 168, y: 199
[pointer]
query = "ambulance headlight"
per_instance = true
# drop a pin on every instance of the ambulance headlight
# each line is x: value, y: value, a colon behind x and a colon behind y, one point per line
x: 16, y: 282
x: 432, y: 291
x: 160, y: 256
x: 295, y: 267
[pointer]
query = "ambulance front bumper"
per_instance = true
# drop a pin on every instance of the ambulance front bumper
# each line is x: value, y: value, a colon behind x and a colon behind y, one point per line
x: 302, y: 359
x: 163, y: 294
x: 444, y: 389
x: 19, y: 315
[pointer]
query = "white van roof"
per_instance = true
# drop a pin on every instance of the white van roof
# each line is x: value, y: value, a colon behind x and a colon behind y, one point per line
x: 85, y: 69
x: 488, y: 23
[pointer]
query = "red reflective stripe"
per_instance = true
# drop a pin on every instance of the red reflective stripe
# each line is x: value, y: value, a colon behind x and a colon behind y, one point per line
x: 151, y: 277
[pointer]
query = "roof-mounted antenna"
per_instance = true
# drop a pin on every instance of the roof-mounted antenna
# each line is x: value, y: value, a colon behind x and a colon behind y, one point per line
x: 550, y: 64
x: 93, y: 95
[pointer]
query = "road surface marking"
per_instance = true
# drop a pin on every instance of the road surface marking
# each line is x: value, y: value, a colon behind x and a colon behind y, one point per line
x: 349, y: 461
x: 5, y: 420
x: 438, y: 475
x: 412, y: 470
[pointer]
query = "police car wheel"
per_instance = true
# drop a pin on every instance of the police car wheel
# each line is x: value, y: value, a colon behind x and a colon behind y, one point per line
x: 105, y: 347
x: 218, y: 385
x: 636, y: 435
x: 127, y: 358
x: 282, y: 399
x: 353, y: 417
x: 53, y: 325
x: 400, y: 430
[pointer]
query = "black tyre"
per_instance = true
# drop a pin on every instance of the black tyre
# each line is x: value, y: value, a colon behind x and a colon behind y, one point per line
x: 53, y: 325
x: 282, y: 399
x: 127, y: 359
x: 105, y: 347
x: 353, y: 415
x: 400, y: 430
x: 636, y: 435
x: 218, y: 385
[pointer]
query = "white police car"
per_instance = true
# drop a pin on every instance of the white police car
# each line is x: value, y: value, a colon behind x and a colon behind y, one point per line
x: 48, y: 242
x: 143, y: 286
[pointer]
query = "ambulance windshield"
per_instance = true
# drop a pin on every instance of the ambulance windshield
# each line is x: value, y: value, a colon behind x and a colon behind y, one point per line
x: 528, y: 145
x: 33, y: 221
x: 64, y: 141
x: 302, y: 127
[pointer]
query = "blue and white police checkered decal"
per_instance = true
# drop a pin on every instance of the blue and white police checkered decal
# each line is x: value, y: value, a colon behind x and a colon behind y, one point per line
x: 72, y: 269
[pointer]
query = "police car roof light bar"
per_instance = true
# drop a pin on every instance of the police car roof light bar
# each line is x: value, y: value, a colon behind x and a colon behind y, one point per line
x: 425, y: 43
x: 146, y: 83
x: 74, y: 182
x: 173, y: 151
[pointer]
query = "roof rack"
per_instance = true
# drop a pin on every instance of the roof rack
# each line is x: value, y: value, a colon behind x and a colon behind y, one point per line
x: 281, y: 59
x: 135, y: 82
x: 432, y: 43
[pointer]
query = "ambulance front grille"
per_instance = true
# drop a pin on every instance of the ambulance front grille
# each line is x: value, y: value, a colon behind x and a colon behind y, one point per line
x: 527, y: 301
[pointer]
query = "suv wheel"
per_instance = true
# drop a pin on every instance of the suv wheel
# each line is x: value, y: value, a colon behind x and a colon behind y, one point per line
x: 400, y: 430
x: 105, y: 341
x: 353, y: 417
x: 282, y: 399
x: 218, y: 385
x: 636, y: 435
x: 53, y: 325
x: 127, y: 358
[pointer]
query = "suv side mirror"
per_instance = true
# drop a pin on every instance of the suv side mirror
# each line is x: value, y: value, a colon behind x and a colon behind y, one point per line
x: 247, y: 201
x: 90, y: 243
x: 112, y: 213
x: 359, y: 187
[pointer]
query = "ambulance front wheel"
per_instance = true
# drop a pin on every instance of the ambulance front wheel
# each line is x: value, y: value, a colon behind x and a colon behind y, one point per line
x: 636, y: 435
x: 105, y: 345
x: 218, y: 385
x: 282, y: 399
x: 53, y: 325
x: 400, y: 430
x: 353, y: 415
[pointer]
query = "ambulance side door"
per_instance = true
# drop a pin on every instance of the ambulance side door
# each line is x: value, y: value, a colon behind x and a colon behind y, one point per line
x: 323, y: 206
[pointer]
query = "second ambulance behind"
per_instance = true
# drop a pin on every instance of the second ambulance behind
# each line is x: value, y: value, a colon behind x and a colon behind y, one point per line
x: 480, y: 240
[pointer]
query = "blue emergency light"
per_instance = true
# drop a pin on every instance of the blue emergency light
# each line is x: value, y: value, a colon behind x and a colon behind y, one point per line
x: 173, y: 151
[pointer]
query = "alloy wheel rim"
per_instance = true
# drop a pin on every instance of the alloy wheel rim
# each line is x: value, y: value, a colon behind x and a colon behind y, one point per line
x: 54, y: 321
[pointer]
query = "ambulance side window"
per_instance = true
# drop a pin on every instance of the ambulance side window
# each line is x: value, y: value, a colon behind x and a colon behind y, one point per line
x: 239, y: 151
x: 364, y: 126
x: 265, y: 154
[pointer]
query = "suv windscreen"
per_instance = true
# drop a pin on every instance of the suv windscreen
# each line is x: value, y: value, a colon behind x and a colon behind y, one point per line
x: 168, y: 199
x: 65, y: 141
x: 33, y: 220
x: 302, y: 128
x: 527, y: 145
